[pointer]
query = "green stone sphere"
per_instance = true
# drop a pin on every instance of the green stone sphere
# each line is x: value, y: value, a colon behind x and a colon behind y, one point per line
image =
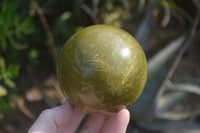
x: 102, y: 69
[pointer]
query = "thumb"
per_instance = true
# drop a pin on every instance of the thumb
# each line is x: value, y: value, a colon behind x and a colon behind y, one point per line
x: 51, y: 119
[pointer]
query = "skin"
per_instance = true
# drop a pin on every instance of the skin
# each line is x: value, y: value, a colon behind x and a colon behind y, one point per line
x: 66, y: 118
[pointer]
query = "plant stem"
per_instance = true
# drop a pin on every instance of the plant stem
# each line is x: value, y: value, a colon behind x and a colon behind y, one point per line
x: 89, y: 12
x: 47, y: 30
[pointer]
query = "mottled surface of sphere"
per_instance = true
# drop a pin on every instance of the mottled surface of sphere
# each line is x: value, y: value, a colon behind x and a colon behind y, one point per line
x: 102, y: 69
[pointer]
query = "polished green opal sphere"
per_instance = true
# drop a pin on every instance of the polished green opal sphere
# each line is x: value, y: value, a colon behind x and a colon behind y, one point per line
x: 102, y: 69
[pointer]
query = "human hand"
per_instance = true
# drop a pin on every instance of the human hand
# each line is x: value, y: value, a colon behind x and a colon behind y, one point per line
x: 66, y: 118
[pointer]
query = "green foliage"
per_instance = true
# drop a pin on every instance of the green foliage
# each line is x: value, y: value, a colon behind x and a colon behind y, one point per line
x: 8, y: 73
x: 3, y: 91
x: 14, y: 27
x: 5, y: 106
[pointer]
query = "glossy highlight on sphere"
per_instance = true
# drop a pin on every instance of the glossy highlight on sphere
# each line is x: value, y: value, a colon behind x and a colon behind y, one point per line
x: 102, y: 69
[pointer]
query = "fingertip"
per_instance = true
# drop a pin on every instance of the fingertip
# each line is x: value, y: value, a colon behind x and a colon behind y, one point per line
x: 120, y: 122
x: 123, y: 116
x: 124, y: 113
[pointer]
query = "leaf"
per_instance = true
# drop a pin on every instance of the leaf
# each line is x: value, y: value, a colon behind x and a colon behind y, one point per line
x: 3, y: 43
x: 190, y: 88
x: 144, y: 28
x: 13, y: 26
x: 12, y: 71
x: 15, y: 44
x: 3, y: 91
x: 180, y: 115
x: 9, y: 83
x: 146, y: 100
x: 170, y: 126
x: 2, y: 66
x: 178, y: 92
x: 65, y: 16
x: 8, y: 14
x: 169, y: 100
x: 9, y: 5
x: 157, y: 61
x: 167, y: 14
x: 33, y: 54
x: 26, y: 27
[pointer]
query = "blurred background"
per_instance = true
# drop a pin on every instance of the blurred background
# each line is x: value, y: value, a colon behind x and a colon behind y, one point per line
x: 32, y: 33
